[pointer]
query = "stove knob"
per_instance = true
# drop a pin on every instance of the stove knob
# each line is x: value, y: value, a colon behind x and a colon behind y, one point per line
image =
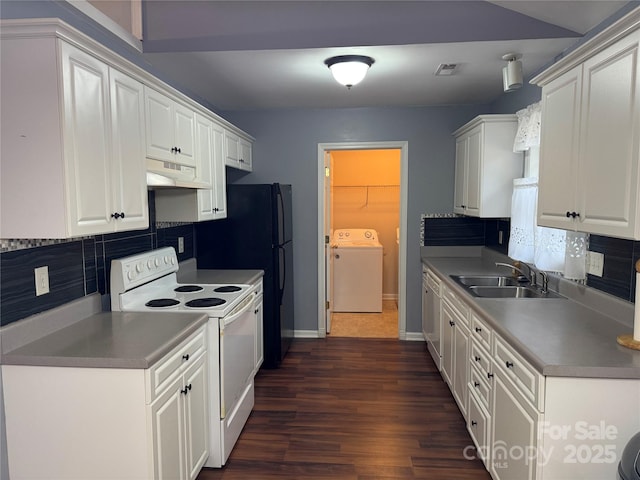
x: 173, y: 260
x: 166, y: 259
x: 139, y: 267
x: 131, y: 275
x: 156, y: 261
x: 150, y: 264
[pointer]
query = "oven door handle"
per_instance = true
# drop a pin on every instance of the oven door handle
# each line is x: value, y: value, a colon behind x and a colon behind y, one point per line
x: 234, y: 316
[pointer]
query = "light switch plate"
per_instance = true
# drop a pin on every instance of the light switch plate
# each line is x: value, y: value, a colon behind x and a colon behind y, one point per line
x: 595, y: 263
x: 180, y: 244
x: 42, y: 280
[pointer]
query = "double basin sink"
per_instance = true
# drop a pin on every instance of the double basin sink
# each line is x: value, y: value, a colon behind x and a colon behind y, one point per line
x: 495, y: 286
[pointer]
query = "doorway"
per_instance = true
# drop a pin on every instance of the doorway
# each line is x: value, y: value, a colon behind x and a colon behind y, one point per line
x: 364, y: 186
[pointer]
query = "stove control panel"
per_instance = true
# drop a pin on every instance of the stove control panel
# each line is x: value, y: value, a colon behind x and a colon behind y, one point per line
x: 133, y: 271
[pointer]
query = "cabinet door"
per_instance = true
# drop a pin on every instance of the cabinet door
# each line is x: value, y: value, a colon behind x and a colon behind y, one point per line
x: 448, y: 325
x: 514, y: 433
x: 184, y: 127
x: 167, y: 424
x: 474, y: 172
x: 219, y: 174
x: 232, y: 149
x: 87, y: 145
x: 204, y: 156
x: 461, y: 366
x: 128, y: 165
x: 196, y: 416
x: 461, y: 168
x: 559, y: 150
x: 246, y: 161
x: 159, y: 126
x: 609, y: 143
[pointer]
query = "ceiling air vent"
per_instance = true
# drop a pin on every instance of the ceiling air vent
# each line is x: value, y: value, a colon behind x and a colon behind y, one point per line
x: 445, y: 69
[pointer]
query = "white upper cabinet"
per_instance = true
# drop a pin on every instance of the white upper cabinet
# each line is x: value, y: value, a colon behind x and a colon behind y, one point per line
x: 190, y: 205
x: 590, y: 140
x: 69, y: 167
x: 170, y: 129
x: 485, y: 166
x: 238, y: 151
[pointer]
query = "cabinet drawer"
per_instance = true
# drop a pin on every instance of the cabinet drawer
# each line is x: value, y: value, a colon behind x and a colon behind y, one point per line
x: 520, y: 372
x: 479, y: 386
x: 457, y: 305
x: 166, y: 370
x: 478, y: 427
x: 480, y: 358
x: 433, y: 282
x: 480, y: 331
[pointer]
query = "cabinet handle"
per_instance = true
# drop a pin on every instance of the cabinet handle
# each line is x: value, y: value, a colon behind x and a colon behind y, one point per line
x: 184, y: 391
x: 452, y: 323
x: 572, y: 214
x: 478, y: 329
x: 509, y: 364
x: 477, y: 359
x: 121, y: 214
x: 489, y: 375
x: 115, y: 215
x: 473, y: 423
x: 175, y: 149
x: 476, y: 384
x: 568, y: 214
x: 179, y: 150
x: 188, y: 387
x: 185, y: 357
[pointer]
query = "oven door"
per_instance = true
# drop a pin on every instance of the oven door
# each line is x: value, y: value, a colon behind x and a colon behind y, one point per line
x: 237, y: 344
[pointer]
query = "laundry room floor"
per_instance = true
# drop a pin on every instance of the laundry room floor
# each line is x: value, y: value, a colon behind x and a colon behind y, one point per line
x: 367, y: 325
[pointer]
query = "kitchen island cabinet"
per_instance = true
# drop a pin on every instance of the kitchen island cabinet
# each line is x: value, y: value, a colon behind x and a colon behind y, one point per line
x: 590, y: 131
x: 72, y: 131
x: 113, y: 396
x: 550, y: 393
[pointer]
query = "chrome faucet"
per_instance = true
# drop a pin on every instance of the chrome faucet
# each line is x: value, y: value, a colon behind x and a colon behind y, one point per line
x: 531, y: 277
x: 545, y: 281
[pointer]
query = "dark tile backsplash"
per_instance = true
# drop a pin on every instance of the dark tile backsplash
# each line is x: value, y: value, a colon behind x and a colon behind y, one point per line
x: 620, y: 255
x: 77, y: 268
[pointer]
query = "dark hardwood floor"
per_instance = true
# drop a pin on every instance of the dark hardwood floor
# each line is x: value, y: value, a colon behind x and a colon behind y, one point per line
x: 352, y: 408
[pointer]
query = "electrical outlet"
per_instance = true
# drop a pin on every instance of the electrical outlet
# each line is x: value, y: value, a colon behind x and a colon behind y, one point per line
x: 42, y: 280
x: 595, y: 263
x: 180, y: 244
x: 500, y: 239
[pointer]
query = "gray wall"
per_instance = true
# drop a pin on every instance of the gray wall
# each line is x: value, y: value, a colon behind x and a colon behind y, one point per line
x: 286, y: 151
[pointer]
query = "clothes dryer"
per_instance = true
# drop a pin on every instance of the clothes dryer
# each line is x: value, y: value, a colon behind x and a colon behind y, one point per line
x: 357, y: 270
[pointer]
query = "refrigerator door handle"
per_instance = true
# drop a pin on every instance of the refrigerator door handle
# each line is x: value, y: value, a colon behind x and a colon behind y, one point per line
x: 283, y: 272
x: 281, y: 222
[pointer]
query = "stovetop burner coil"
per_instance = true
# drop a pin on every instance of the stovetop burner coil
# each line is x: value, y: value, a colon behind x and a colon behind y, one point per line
x: 227, y: 289
x: 162, y: 302
x: 188, y: 288
x: 205, y: 302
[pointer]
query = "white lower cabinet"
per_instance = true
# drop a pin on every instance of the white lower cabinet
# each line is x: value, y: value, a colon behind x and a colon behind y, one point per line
x: 97, y: 423
x: 455, y: 347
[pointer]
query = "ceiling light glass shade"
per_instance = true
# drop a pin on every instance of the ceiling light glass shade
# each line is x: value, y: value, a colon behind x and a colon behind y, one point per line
x: 349, y: 70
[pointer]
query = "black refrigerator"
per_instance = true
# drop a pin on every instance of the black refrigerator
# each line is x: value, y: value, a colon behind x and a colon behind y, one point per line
x: 257, y: 235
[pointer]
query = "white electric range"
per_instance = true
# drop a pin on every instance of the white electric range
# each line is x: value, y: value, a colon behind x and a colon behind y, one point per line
x: 148, y: 282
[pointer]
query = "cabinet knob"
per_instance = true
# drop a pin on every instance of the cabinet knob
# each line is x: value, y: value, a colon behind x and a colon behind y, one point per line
x: 121, y: 214
x: 509, y: 364
x: 174, y: 149
x: 476, y: 384
x: 184, y: 391
x: 185, y: 357
x: 477, y: 358
x: 473, y: 423
x: 478, y: 329
x: 117, y: 215
x: 452, y: 323
x: 572, y: 214
x: 489, y: 375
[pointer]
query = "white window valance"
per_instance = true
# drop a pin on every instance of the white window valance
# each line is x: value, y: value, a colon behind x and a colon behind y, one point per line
x: 528, y: 133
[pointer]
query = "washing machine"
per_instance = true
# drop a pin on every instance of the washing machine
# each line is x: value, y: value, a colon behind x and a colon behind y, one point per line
x: 357, y: 270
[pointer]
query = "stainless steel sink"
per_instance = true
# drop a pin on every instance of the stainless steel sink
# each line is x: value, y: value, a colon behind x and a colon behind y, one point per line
x: 510, y: 292
x: 485, y: 280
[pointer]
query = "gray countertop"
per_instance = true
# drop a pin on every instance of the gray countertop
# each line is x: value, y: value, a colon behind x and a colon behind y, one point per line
x: 109, y: 340
x: 559, y: 337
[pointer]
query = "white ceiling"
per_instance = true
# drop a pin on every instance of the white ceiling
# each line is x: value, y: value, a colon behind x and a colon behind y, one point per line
x: 232, y: 72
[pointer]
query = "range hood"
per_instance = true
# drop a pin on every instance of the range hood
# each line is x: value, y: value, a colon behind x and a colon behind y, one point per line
x: 172, y: 175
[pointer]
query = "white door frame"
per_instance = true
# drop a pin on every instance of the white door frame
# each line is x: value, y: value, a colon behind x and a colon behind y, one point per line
x: 403, y: 146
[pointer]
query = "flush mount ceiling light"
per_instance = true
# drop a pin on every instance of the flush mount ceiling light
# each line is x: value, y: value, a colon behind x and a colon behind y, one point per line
x: 512, y: 73
x: 349, y: 70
